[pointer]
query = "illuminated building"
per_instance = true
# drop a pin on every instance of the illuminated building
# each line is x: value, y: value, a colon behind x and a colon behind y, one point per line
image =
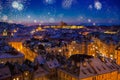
x: 40, y: 74
x: 117, y: 54
x: 4, y: 33
x: 26, y: 51
x: 110, y: 32
x: 105, y: 44
x: 80, y: 67
x: 9, y: 54
x: 84, y: 67
x: 11, y: 58
x: 7, y: 32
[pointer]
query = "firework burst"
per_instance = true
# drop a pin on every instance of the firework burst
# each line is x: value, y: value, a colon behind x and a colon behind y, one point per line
x: 49, y: 1
x: 98, y: 5
x: 67, y: 3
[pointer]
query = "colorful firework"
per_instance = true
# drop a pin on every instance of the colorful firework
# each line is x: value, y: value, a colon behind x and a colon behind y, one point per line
x: 17, y: 5
x: 98, y: 5
x: 67, y: 3
x: 49, y: 1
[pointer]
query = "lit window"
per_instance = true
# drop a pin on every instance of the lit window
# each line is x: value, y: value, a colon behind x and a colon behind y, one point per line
x: 17, y: 79
x: 26, y: 74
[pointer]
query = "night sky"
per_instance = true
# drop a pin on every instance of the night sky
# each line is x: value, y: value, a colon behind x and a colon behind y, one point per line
x: 53, y: 11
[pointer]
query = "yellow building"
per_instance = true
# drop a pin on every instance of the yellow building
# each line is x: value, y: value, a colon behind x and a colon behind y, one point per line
x: 30, y: 55
x: 72, y: 47
x: 9, y: 54
x: 84, y: 67
x: 78, y: 47
x: 106, y: 47
x: 119, y: 75
x: 117, y: 54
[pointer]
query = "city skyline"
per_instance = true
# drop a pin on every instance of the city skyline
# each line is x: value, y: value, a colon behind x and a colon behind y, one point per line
x: 53, y: 11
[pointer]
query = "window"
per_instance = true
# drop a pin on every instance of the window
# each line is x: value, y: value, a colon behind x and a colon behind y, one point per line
x: 94, y: 78
x: 84, y: 64
x: 98, y: 68
x: 104, y: 68
x: 17, y: 78
x: 26, y: 73
x: 89, y: 70
x: 84, y: 72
